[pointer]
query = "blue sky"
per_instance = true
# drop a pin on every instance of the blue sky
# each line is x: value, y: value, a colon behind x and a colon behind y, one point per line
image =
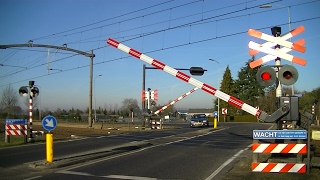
x: 180, y: 33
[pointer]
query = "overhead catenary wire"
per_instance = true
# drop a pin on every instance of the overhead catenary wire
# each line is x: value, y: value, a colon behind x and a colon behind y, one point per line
x: 121, y: 58
x: 187, y: 24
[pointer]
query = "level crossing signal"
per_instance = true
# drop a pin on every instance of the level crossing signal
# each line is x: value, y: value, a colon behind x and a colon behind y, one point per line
x: 266, y: 76
x: 287, y: 75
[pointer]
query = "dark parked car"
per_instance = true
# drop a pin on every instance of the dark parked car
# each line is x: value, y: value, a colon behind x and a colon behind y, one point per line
x: 199, y: 120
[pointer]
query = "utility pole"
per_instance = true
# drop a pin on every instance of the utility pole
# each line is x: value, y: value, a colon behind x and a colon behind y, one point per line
x: 65, y: 48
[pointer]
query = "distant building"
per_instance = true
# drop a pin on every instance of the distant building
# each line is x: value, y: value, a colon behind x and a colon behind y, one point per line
x: 208, y: 112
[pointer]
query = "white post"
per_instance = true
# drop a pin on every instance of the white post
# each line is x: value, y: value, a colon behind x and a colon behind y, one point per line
x: 219, y: 88
x: 95, y: 103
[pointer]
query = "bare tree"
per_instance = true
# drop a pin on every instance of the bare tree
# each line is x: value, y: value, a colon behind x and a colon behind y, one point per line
x: 9, y: 99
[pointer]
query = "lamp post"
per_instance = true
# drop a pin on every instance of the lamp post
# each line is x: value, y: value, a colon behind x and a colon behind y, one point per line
x: 219, y: 87
x: 289, y: 24
x: 95, y: 103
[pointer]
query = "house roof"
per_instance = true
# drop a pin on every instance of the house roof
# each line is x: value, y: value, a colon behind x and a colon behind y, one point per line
x: 201, y: 110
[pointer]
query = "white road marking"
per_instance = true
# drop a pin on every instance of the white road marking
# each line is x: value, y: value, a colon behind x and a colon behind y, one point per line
x: 229, y: 161
x: 129, y: 177
x: 226, y: 163
x: 75, y: 173
x: 36, y: 177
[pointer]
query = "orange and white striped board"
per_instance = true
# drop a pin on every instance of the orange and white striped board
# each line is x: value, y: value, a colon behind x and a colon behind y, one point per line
x: 16, y: 129
x: 266, y: 47
x: 145, y: 95
x: 154, y: 95
x: 279, y: 148
x: 278, y: 167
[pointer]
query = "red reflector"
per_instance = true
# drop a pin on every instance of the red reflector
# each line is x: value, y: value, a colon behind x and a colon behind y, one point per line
x: 265, y: 76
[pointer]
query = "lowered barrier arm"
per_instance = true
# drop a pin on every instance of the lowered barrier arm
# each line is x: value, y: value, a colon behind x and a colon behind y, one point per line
x: 263, y: 116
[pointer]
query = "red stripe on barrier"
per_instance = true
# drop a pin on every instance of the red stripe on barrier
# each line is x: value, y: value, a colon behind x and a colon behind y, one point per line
x: 135, y: 53
x: 209, y: 89
x: 270, y: 148
x: 254, y: 165
x: 303, y: 169
x: 287, y: 148
x: 235, y: 102
x: 269, y: 167
x: 287, y: 167
x: 158, y: 64
x: 183, y: 76
x: 113, y: 43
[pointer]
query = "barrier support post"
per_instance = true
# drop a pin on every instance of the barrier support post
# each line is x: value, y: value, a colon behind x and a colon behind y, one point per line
x: 49, y: 147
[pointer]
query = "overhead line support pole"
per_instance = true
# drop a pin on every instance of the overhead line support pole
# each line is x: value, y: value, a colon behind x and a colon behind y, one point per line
x: 91, y: 55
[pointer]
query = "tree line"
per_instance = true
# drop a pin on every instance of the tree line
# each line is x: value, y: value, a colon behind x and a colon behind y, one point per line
x: 247, y: 89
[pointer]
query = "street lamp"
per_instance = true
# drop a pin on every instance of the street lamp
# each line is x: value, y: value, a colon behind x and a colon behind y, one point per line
x: 219, y: 87
x: 289, y: 24
x: 95, y: 103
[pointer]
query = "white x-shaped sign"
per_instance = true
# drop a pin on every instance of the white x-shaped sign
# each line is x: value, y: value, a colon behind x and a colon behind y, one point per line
x: 272, y: 53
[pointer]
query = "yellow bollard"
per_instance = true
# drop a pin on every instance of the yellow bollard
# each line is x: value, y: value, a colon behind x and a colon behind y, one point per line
x: 215, y: 123
x: 49, y: 147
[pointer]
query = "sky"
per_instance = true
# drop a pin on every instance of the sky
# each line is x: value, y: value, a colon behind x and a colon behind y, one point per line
x: 179, y: 33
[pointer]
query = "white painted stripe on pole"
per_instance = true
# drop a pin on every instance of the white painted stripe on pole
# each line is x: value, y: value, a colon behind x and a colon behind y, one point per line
x: 147, y: 59
x: 170, y: 70
x: 124, y: 48
x: 225, y: 97
x: 195, y: 82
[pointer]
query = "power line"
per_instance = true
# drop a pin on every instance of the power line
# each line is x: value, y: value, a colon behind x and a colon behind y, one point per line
x: 103, y: 20
x: 171, y: 47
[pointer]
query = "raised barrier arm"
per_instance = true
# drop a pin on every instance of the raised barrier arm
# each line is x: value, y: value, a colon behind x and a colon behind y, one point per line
x: 203, y: 86
x: 176, y: 100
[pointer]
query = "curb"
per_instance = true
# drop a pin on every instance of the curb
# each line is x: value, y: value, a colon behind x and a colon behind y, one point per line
x: 88, y: 156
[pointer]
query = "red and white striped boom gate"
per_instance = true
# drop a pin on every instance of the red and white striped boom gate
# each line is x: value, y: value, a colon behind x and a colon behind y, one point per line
x: 176, y: 100
x: 279, y: 167
x: 203, y: 86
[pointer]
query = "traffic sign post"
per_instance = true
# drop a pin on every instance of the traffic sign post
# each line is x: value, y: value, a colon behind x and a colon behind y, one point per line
x: 49, y: 123
x: 215, y: 114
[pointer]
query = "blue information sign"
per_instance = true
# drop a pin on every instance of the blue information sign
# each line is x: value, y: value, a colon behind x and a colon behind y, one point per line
x: 215, y: 113
x: 279, y: 134
x: 16, y: 121
x: 49, y: 123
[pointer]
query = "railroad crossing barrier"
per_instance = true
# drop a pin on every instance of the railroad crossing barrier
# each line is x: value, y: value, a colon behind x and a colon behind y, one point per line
x: 156, y: 122
x: 15, y: 127
x: 298, y: 148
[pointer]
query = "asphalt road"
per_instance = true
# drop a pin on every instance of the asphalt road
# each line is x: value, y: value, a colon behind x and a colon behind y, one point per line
x: 185, y: 154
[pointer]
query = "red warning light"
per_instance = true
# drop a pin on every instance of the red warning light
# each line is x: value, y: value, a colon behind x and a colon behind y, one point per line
x: 265, y: 76
x: 287, y: 75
